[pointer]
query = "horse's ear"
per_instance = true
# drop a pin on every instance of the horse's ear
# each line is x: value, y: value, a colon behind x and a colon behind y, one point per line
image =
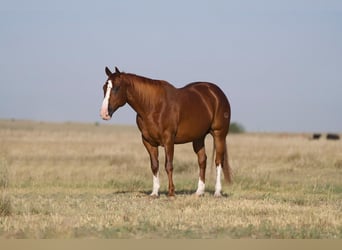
x: 117, y: 70
x: 108, y: 72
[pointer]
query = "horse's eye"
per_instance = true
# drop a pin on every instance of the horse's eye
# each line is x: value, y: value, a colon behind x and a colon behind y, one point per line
x: 115, y: 89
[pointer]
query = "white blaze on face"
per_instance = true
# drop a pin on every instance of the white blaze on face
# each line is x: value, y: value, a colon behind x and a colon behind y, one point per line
x: 104, y: 109
x: 218, y: 186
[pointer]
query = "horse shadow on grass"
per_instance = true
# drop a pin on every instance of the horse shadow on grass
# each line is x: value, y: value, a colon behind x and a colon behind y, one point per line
x: 181, y: 192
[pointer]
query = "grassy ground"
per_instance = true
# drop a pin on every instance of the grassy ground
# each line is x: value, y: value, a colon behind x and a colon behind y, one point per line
x: 92, y: 181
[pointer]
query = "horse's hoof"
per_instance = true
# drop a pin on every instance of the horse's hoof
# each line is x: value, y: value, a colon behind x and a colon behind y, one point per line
x: 217, y: 195
x: 154, y: 196
x: 171, y: 196
x: 198, y: 195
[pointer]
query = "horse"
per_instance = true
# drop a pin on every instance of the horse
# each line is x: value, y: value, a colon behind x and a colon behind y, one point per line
x: 167, y: 115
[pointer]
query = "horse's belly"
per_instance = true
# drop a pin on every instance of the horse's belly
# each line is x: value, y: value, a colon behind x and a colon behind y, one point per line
x: 195, y: 121
x: 181, y: 140
x: 192, y: 130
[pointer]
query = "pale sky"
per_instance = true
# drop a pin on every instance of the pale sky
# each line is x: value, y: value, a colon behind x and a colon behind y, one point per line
x: 279, y: 62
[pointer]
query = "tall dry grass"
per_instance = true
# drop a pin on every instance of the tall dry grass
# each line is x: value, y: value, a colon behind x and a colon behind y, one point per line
x: 89, y: 180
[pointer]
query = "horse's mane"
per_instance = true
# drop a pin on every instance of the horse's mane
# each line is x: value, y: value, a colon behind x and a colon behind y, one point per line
x: 150, y: 91
x: 147, y: 81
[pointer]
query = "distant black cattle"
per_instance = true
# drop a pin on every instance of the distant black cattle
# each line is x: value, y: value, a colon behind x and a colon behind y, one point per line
x: 333, y: 137
x: 316, y: 136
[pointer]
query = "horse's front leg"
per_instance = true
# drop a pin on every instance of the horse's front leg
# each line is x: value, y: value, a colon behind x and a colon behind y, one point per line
x: 169, y: 151
x: 153, y: 152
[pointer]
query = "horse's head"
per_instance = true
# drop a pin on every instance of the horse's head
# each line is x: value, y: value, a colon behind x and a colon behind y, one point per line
x: 114, y: 91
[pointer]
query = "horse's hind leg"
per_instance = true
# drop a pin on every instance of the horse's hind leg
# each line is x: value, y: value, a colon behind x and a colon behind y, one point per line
x: 199, y: 149
x: 220, y: 146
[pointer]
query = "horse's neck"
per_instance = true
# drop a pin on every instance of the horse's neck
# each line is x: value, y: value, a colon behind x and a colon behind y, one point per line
x: 144, y: 94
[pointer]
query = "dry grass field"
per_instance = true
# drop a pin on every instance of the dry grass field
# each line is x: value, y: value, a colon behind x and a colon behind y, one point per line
x: 92, y: 181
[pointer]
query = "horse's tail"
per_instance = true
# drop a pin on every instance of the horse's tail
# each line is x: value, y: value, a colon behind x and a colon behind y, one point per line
x: 227, y: 170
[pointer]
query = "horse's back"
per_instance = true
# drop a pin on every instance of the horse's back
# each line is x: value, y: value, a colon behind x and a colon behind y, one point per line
x: 202, y: 107
x: 204, y: 88
x: 209, y: 93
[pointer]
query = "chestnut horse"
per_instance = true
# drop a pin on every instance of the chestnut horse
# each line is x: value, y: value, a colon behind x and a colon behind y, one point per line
x: 167, y: 115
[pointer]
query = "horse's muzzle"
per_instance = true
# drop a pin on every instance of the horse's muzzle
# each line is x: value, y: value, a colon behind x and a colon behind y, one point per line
x: 105, y: 115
